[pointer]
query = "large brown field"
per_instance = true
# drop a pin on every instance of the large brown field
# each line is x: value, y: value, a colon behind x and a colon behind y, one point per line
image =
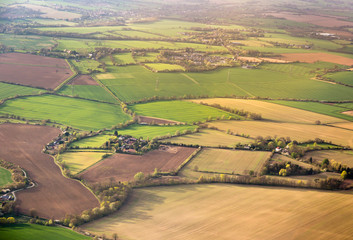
x: 32, y: 70
x: 228, y: 212
x: 314, y: 57
x: 123, y: 167
x: 343, y: 157
x: 271, y: 111
x: 296, y: 131
x: 83, y: 80
x: 54, y: 196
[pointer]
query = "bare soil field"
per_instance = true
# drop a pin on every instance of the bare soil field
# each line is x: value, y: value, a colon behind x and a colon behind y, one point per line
x: 32, y: 70
x: 123, y: 167
x: 54, y: 196
x: 314, y: 57
x: 272, y: 111
x: 259, y: 60
x: 350, y: 113
x: 150, y: 120
x: 228, y: 212
x: 324, y: 21
x: 83, y: 80
x: 343, y: 157
x: 296, y: 131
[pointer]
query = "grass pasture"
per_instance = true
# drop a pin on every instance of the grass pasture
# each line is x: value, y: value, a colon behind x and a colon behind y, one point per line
x: 221, y: 211
x: 78, y: 113
x: 88, y: 92
x: 5, y: 177
x: 26, y: 42
x: 224, y: 161
x: 271, y: 111
x: 209, y: 138
x: 124, y: 58
x: 162, y: 67
x: 296, y: 131
x: 38, y: 232
x: 86, y: 66
x: 11, y: 90
x: 180, y: 111
x: 79, y: 161
x: 343, y: 77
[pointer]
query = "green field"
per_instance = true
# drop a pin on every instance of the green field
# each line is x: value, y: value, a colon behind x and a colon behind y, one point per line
x: 78, y: 113
x: 221, y: 211
x: 26, y: 42
x: 328, y: 109
x: 160, y: 67
x: 210, y: 138
x: 180, y: 111
x: 343, y: 77
x: 146, y: 132
x: 148, y: 57
x: 38, y: 232
x: 88, y: 92
x: 11, y: 90
x: 131, y: 83
x: 86, y: 66
x: 5, y: 177
x: 124, y: 58
x: 79, y: 161
x: 222, y: 161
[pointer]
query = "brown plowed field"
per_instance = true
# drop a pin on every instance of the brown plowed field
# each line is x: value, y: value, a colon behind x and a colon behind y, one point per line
x: 83, y: 80
x: 314, y: 57
x: 149, y: 120
x: 32, y: 70
x: 123, y: 167
x: 54, y: 196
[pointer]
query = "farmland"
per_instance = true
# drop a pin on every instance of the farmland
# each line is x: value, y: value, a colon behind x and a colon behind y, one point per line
x: 343, y: 77
x: 35, y: 231
x: 5, y: 177
x: 272, y: 112
x: 24, y: 69
x: 78, y: 113
x: 209, y: 138
x: 87, y: 92
x: 146, y: 132
x: 12, y: 90
x: 222, y: 161
x: 299, y: 132
x: 54, y: 195
x: 343, y: 157
x: 314, y: 57
x: 180, y: 111
x: 221, y: 211
x: 123, y: 167
x: 79, y: 161
x: 160, y: 67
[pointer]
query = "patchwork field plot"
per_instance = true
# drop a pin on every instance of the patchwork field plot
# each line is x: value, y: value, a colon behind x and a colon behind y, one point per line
x: 78, y: 113
x: 5, y: 177
x: 26, y: 42
x: 86, y: 66
x: 78, y: 161
x: 11, y: 90
x: 220, y: 211
x: 131, y: 83
x: 343, y: 77
x: 123, y: 167
x: 88, y: 92
x: 32, y: 70
x: 221, y: 161
x: 271, y: 111
x: 161, y: 67
x: 327, y: 109
x: 314, y: 57
x: 209, y: 138
x: 36, y: 231
x: 54, y: 196
x: 124, y: 58
x: 146, y: 132
x: 180, y: 111
x: 299, y: 132
x: 343, y: 157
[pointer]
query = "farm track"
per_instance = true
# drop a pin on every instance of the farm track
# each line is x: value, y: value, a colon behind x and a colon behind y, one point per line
x: 54, y: 196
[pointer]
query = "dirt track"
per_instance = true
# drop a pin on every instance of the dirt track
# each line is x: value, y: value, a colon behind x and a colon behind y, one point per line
x: 54, y: 196
x: 123, y: 167
x: 32, y: 70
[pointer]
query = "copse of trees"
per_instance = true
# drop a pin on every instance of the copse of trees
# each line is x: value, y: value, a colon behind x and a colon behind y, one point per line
x: 18, y: 176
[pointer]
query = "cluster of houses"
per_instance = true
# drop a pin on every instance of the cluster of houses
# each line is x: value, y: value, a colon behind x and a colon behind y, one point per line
x: 128, y: 144
x: 283, y: 151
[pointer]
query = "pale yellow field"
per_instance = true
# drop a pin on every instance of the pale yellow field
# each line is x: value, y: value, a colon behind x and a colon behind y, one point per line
x: 272, y: 111
x: 210, y: 138
x: 105, y: 76
x: 343, y: 157
x: 346, y: 125
x: 50, y: 12
x: 228, y: 212
x: 78, y: 161
x: 296, y: 131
